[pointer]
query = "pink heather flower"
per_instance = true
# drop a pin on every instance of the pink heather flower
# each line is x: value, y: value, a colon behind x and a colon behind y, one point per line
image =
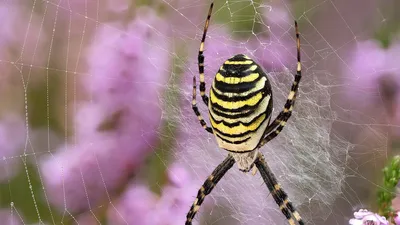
x: 9, y: 217
x: 12, y: 140
x: 368, y: 68
x: 365, y: 217
x: 118, y: 127
x: 118, y: 6
x: 177, y: 197
x: 278, y: 21
x: 138, y: 205
x: 87, y: 218
x: 275, y: 49
x: 22, y: 43
x: 186, y: 17
x: 397, y: 218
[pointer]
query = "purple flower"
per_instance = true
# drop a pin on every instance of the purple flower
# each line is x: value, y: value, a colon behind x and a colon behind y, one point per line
x: 9, y: 217
x: 118, y: 6
x: 372, y: 74
x: 118, y: 127
x: 21, y: 31
x: 276, y: 49
x: 397, y: 219
x: 12, y: 140
x: 138, y: 205
x: 365, y: 217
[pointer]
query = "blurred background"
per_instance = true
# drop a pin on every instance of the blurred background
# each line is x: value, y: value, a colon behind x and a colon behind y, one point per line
x: 96, y: 125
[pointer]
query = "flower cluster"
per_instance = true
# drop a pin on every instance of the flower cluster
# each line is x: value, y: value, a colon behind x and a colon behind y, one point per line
x: 12, y: 140
x: 138, y: 205
x: 118, y: 126
x: 365, y: 217
x: 372, y: 76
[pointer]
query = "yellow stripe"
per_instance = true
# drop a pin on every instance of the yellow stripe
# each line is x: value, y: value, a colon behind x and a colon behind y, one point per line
x: 291, y: 221
x: 284, y: 203
x: 287, y: 110
x: 261, y: 109
x: 291, y: 95
x: 298, y: 66
x: 247, y: 62
x: 201, y: 77
x: 241, y: 138
x: 228, y: 112
x: 259, y: 85
x: 296, y: 215
x: 236, y: 80
x: 238, y: 129
x: 238, y: 104
x: 252, y: 68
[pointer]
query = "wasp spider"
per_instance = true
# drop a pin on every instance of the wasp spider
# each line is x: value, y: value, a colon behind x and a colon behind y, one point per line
x: 240, y: 107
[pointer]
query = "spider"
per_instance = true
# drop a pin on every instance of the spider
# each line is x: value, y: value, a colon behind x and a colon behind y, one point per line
x: 240, y: 107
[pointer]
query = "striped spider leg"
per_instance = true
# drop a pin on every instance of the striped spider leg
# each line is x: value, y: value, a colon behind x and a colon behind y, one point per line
x: 277, y: 125
x: 277, y: 192
x: 200, y: 59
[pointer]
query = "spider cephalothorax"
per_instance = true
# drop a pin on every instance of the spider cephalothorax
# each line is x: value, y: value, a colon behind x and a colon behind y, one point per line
x: 240, y: 107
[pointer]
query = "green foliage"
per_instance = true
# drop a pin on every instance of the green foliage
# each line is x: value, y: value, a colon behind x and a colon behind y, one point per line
x: 38, y: 107
x: 391, y: 176
x: 24, y: 194
x: 239, y: 15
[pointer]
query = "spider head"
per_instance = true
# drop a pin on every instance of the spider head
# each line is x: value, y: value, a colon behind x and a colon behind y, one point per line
x: 245, y: 161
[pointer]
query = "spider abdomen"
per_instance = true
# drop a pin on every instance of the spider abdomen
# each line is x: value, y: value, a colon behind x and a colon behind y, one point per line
x: 240, y: 104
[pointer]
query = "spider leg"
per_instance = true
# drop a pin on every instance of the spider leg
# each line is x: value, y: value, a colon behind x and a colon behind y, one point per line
x: 208, y: 186
x: 200, y: 58
x: 277, y: 125
x: 201, y: 72
x: 196, y: 109
x: 277, y: 192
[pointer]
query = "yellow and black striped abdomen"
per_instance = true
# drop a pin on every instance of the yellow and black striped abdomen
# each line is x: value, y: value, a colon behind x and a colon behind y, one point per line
x: 240, y: 104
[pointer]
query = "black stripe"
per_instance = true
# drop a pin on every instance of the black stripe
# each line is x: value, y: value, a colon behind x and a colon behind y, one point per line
x: 238, y: 135
x: 238, y: 74
x: 246, y: 151
x: 196, y: 110
x: 236, y: 97
x: 238, y: 57
x: 297, y: 78
x: 200, y: 58
x: 233, y: 142
x: 237, y: 68
x: 235, y: 116
x: 202, y: 86
x: 244, y: 113
x: 230, y: 125
x: 234, y: 88
x: 233, y: 135
x: 241, y: 109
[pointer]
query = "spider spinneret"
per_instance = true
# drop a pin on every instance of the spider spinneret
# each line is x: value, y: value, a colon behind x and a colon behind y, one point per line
x: 240, y: 108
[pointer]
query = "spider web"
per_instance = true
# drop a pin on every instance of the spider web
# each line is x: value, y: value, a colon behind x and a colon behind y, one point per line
x: 96, y: 125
